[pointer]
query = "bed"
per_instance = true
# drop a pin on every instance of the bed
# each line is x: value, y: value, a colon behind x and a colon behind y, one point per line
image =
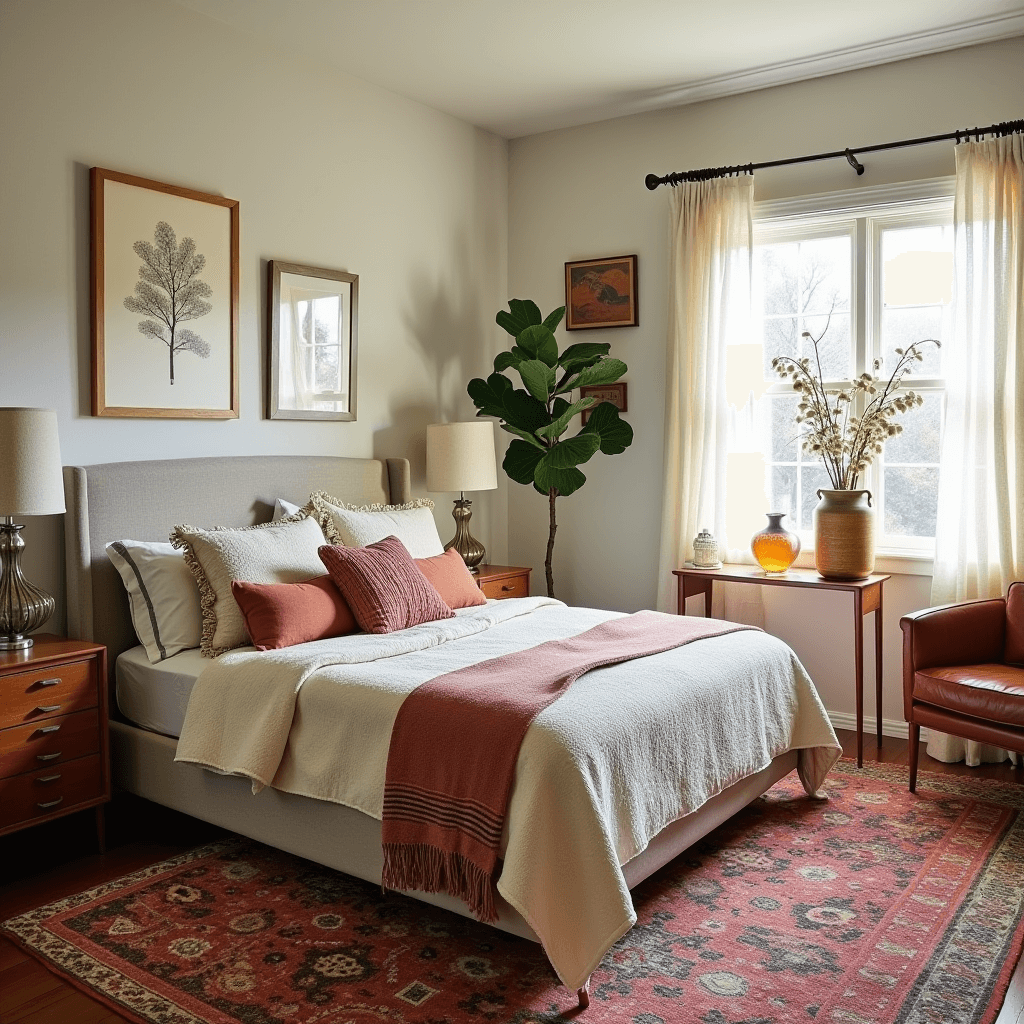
x: 144, y: 500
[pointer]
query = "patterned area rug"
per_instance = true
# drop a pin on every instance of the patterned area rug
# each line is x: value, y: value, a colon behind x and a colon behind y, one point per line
x: 874, y: 907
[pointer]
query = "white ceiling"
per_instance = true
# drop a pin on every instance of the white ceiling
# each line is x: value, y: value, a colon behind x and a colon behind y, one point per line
x: 517, y: 67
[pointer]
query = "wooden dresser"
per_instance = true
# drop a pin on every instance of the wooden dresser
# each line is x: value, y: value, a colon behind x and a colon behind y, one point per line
x: 54, y: 753
x: 501, y: 581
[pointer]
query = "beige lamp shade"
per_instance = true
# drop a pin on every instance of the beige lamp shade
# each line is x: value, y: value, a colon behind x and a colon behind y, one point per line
x: 31, y: 481
x: 460, y: 456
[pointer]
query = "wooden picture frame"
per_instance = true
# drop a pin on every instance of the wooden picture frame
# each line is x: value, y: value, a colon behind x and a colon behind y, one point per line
x: 613, y: 393
x: 144, y: 235
x: 601, y: 293
x: 312, y: 333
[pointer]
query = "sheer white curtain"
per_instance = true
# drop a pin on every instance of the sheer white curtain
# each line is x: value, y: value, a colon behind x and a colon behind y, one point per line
x: 710, y: 268
x: 979, y: 543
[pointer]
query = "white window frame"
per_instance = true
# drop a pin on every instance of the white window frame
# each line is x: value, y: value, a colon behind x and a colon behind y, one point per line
x: 864, y: 214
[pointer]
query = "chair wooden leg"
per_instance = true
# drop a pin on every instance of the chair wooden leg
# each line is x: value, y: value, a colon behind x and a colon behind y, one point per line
x: 915, y: 747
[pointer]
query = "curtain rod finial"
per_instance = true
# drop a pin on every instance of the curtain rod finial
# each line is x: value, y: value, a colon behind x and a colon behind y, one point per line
x: 652, y: 181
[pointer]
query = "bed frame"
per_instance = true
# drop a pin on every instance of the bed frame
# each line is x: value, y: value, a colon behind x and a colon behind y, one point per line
x: 143, y: 501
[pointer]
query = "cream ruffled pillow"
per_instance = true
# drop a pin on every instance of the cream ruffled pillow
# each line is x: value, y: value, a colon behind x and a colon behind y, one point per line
x: 278, y: 552
x: 355, y: 526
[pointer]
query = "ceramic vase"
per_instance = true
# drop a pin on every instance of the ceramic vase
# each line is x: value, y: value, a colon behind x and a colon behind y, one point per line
x: 844, y: 535
x: 705, y: 551
x: 775, y: 548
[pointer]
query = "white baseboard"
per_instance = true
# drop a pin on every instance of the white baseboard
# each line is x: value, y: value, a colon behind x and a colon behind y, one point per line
x: 890, y: 726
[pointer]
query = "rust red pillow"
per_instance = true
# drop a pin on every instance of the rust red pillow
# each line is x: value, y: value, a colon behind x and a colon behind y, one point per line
x: 284, y: 614
x: 449, y: 576
x: 383, y: 586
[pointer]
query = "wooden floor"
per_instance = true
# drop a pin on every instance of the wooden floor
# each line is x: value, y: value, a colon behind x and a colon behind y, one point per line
x: 58, y: 859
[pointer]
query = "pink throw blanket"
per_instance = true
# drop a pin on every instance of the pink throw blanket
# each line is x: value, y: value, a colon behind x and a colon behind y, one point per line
x: 456, y: 740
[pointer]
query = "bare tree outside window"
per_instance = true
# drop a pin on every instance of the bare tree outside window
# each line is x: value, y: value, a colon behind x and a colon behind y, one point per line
x: 171, y: 292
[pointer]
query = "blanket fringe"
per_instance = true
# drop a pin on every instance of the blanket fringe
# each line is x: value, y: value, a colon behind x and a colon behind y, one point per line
x: 430, y: 869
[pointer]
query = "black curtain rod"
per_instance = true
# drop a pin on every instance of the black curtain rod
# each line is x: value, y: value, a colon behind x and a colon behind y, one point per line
x: 652, y: 181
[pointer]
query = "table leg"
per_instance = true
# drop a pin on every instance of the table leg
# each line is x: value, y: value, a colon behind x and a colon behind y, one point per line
x: 707, y: 598
x: 858, y: 644
x: 878, y: 666
x: 681, y: 595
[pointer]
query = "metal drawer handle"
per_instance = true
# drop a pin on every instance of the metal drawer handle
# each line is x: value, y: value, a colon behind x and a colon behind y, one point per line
x: 48, y: 728
x: 49, y: 778
x: 48, y: 682
x: 508, y: 586
x: 50, y: 803
x: 47, y: 707
x: 48, y: 757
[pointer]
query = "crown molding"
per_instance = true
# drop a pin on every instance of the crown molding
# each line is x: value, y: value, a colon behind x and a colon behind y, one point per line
x: 916, y: 44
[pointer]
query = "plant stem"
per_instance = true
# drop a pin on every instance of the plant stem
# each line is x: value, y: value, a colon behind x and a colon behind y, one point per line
x: 552, y: 526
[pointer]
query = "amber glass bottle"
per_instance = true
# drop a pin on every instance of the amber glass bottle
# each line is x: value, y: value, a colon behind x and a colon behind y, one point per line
x: 775, y: 548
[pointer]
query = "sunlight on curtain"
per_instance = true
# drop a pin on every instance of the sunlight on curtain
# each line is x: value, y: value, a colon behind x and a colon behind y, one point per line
x: 710, y: 268
x: 979, y: 543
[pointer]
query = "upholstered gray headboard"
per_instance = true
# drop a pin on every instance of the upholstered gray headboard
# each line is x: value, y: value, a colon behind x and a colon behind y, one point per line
x: 144, y: 500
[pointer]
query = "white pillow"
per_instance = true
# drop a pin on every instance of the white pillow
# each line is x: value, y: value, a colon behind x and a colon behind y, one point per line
x: 162, y: 594
x: 283, y: 509
x: 281, y: 552
x: 355, y: 526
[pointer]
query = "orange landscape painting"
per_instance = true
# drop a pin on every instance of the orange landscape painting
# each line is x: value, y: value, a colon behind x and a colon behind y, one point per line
x: 601, y: 293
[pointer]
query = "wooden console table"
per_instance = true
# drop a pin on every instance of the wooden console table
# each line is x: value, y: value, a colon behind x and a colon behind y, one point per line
x: 867, y: 597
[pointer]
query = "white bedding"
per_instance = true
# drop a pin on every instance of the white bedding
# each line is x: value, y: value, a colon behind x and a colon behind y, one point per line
x: 155, y: 695
x: 624, y: 752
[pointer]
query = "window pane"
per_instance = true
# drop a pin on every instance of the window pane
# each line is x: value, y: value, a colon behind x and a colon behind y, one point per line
x: 780, y: 339
x: 782, y: 496
x: 922, y: 432
x: 327, y: 320
x: 917, y: 290
x: 825, y: 274
x: 778, y: 268
x: 911, y: 500
x: 833, y: 348
x: 784, y: 430
x: 812, y: 476
x: 327, y: 368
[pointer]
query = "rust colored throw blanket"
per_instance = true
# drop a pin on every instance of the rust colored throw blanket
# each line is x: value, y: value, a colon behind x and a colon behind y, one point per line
x: 456, y: 740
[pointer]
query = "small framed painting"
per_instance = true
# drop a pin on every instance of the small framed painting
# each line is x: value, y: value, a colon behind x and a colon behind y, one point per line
x: 164, y: 276
x: 312, y: 316
x: 613, y: 393
x: 601, y: 293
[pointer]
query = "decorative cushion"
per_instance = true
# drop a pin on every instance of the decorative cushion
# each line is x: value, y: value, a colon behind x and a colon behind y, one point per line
x: 281, y: 552
x: 284, y: 614
x: 283, y: 509
x: 162, y: 595
x: 382, y: 585
x: 449, y: 576
x: 1013, y: 653
x: 356, y: 526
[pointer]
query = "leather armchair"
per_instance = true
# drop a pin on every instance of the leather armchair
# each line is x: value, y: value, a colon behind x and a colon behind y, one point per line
x: 963, y: 672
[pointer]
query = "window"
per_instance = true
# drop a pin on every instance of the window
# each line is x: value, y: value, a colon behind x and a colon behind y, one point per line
x: 866, y: 280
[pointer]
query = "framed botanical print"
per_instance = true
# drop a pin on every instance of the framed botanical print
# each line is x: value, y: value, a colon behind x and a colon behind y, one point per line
x: 601, y: 293
x: 164, y: 276
x: 312, y: 319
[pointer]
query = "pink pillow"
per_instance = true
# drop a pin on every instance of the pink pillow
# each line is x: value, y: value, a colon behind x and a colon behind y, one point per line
x: 383, y: 587
x: 449, y: 576
x: 284, y: 614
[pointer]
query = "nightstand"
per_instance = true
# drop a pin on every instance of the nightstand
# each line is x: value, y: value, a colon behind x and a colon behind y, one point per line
x: 54, y: 751
x: 501, y: 581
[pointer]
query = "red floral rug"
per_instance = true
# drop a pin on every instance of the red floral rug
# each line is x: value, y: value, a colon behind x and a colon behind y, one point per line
x: 874, y: 907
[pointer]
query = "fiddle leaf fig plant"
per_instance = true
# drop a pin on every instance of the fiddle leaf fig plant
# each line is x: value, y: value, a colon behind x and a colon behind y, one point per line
x: 539, y: 413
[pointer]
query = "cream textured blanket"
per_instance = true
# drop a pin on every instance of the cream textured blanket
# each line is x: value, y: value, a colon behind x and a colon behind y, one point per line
x: 624, y: 752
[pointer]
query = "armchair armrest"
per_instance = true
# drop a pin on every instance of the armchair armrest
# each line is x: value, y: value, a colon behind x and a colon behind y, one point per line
x: 972, y: 633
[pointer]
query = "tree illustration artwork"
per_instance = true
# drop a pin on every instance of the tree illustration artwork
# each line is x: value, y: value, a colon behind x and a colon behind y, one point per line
x: 171, y: 292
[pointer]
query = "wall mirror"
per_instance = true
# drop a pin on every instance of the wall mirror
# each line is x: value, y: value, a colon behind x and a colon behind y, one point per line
x: 311, y: 322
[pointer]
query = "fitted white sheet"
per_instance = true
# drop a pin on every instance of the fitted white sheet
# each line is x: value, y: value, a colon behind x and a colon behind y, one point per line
x: 155, y: 696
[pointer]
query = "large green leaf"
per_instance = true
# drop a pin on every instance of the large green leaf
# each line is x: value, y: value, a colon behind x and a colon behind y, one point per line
x: 575, y: 357
x: 496, y: 397
x: 524, y: 411
x: 572, y: 451
x: 554, y: 318
x: 538, y: 377
x: 565, y: 481
x: 520, y: 461
x: 489, y: 395
x: 557, y: 426
x: 607, y: 371
x: 503, y: 360
x: 523, y: 314
x: 616, y: 435
x: 540, y: 343
x: 524, y: 434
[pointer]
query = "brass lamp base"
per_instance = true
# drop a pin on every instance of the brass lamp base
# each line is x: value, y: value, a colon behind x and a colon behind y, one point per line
x: 23, y: 606
x: 464, y: 542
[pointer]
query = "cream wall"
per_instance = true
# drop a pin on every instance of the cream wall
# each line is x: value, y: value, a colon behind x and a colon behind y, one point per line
x: 411, y: 200
x: 579, y: 193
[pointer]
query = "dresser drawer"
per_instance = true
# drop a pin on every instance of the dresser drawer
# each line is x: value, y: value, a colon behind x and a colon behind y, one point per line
x: 58, y: 788
x: 512, y: 586
x: 60, y: 690
x: 53, y: 741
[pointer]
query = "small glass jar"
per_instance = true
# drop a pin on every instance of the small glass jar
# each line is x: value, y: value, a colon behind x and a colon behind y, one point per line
x: 705, y: 551
x: 775, y: 548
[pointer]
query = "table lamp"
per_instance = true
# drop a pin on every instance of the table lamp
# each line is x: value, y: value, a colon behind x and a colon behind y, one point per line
x: 460, y: 457
x: 31, y: 484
